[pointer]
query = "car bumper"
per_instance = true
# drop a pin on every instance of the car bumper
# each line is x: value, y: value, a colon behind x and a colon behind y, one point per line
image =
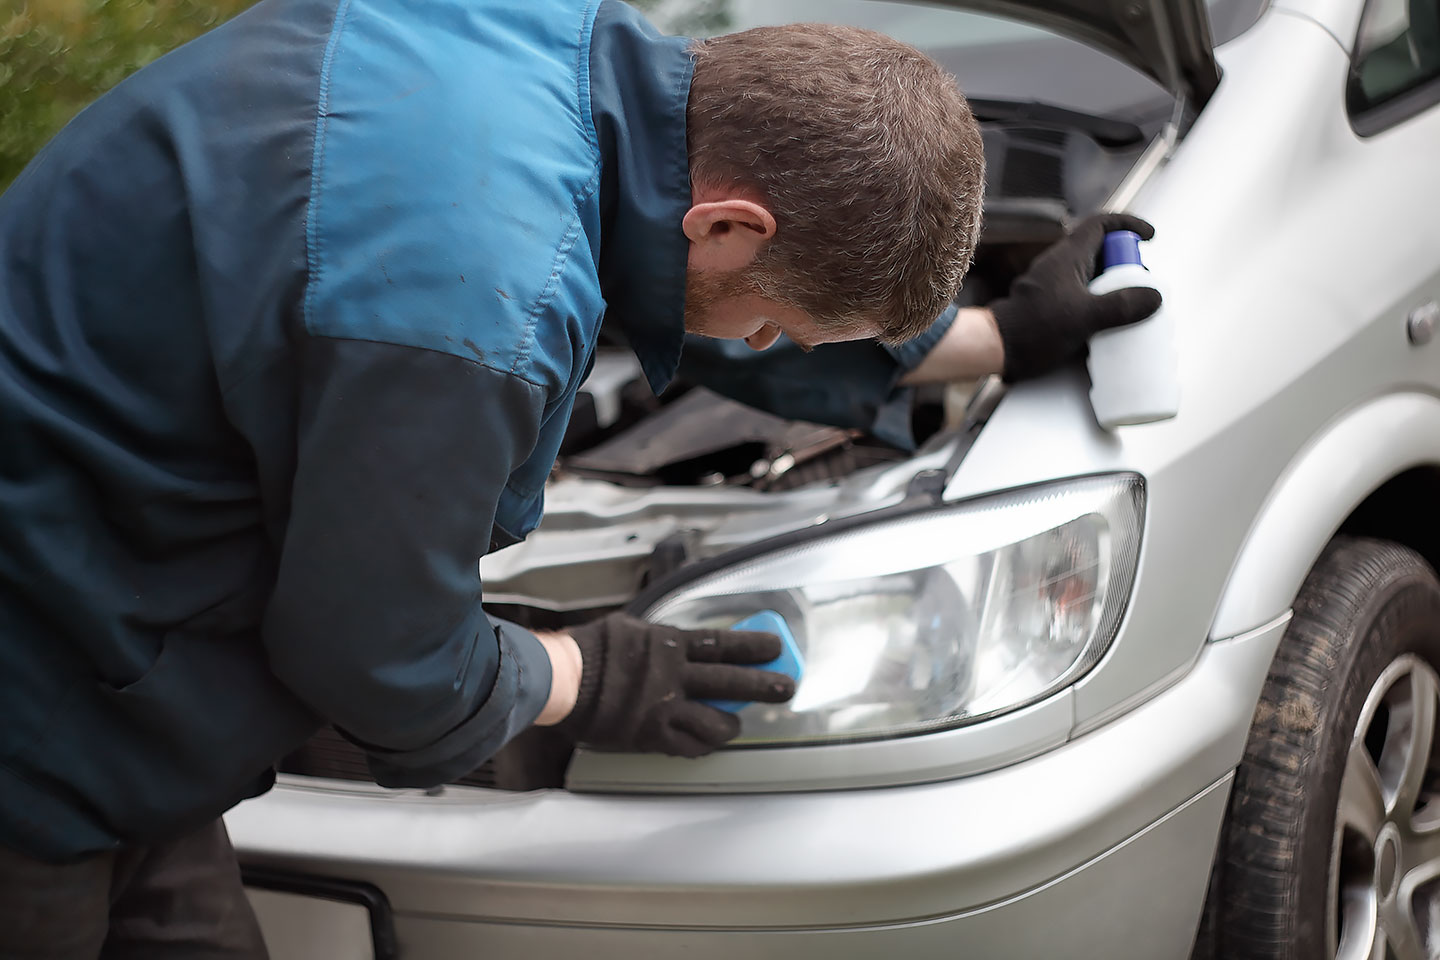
x: 1101, y: 847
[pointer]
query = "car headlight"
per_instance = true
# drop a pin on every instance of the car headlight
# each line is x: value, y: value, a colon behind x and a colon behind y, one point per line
x: 936, y: 618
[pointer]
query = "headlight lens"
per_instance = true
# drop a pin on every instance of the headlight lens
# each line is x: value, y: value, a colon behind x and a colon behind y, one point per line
x: 938, y: 618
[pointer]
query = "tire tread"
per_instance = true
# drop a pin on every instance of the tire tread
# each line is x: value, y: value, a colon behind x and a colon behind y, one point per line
x: 1256, y: 910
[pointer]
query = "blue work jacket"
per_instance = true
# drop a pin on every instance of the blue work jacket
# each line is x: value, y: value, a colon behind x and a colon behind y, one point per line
x: 291, y: 324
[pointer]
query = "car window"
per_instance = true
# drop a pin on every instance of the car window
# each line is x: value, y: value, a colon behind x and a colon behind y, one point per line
x: 1396, y: 52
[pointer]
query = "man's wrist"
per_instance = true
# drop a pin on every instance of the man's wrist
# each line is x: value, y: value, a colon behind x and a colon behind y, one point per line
x: 566, y: 668
x: 969, y: 350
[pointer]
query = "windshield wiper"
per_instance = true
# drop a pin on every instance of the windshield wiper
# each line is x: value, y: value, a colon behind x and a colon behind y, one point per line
x: 1104, y: 131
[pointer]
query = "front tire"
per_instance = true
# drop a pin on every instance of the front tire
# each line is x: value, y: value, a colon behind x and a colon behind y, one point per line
x: 1331, y: 847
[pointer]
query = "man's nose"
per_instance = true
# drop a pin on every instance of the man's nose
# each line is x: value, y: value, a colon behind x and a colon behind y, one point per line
x: 763, y: 338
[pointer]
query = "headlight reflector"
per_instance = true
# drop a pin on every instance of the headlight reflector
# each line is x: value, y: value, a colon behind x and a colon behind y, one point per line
x: 937, y: 618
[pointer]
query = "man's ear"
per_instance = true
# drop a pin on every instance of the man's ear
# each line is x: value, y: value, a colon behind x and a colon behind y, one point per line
x: 726, y: 234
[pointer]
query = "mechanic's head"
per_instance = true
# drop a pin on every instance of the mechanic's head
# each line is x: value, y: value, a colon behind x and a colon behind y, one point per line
x: 836, y: 179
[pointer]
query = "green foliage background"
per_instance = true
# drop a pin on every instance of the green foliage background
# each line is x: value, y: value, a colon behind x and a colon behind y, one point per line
x: 58, y: 55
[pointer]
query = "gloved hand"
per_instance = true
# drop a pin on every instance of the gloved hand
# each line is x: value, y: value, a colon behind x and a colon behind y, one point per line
x: 640, y: 681
x: 1049, y: 315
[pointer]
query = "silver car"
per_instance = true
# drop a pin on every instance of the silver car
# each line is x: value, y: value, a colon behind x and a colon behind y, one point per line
x: 1069, y: 692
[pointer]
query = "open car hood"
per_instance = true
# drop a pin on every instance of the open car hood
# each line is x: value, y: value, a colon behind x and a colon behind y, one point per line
x: 1168, y: 39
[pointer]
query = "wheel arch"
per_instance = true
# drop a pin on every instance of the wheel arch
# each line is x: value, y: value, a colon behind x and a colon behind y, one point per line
x: 1372, y: 471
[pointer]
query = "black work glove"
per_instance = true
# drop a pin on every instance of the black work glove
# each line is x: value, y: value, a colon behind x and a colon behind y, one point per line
x: 640, y: 681
x: 1049, y: 316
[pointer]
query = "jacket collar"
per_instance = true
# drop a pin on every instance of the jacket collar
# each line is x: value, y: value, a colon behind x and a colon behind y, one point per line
x: 639, y: 88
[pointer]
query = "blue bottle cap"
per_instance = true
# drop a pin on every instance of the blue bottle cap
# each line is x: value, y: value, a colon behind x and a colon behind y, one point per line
x: 1121, y: 246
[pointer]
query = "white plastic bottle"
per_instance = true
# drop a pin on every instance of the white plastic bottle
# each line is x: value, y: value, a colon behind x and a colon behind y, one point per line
x: 1133, y: 375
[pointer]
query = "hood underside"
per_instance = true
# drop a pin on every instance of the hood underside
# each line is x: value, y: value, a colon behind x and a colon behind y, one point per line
x: 1168, y: 39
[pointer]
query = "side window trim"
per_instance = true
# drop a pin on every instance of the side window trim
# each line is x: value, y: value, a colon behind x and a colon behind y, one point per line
x: 1383, y: 116
x: 1367, y: 120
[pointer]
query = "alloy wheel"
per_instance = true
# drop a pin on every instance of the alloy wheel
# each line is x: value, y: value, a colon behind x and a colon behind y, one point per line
x: 1384, y: 901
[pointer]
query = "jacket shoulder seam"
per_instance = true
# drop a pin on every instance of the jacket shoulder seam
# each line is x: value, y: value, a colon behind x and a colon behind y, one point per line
x: 582, y: 71
x: 558, y: 267
x: 313, y: 242
x: 574, y: 228
x: 509, y: 374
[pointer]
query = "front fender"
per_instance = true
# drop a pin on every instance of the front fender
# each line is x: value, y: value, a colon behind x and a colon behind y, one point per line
x: 1343, y: 464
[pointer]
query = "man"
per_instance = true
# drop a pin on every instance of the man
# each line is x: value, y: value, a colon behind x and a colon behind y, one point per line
x: 291, y: 325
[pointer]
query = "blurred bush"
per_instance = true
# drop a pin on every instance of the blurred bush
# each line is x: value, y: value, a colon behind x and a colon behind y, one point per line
x: 58, y: 55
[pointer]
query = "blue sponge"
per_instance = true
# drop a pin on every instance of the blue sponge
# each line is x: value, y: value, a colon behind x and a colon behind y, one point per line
x: 790, y: 662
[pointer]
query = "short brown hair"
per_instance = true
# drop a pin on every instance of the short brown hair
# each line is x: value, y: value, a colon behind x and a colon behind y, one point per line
x: 868, y: 157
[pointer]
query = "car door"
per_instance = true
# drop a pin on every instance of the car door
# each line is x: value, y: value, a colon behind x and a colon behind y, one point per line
x: 1391, y: 98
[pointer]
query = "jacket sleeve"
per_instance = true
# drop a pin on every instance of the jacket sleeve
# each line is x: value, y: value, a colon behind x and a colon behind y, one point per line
x: 375, y: 621
x: 853, y: 384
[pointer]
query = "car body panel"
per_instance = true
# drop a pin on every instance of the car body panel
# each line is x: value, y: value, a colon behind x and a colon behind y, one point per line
x: 1273, y: 347
x: 1140, y: 900
x: 1339, y: 18
x: 1354, y: 456
x: 781, y: 860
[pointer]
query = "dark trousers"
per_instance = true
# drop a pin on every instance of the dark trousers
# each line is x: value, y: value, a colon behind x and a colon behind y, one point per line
x: 165, y: 901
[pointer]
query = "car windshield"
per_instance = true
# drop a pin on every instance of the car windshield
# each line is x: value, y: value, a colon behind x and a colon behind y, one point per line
x: 991, y: 57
